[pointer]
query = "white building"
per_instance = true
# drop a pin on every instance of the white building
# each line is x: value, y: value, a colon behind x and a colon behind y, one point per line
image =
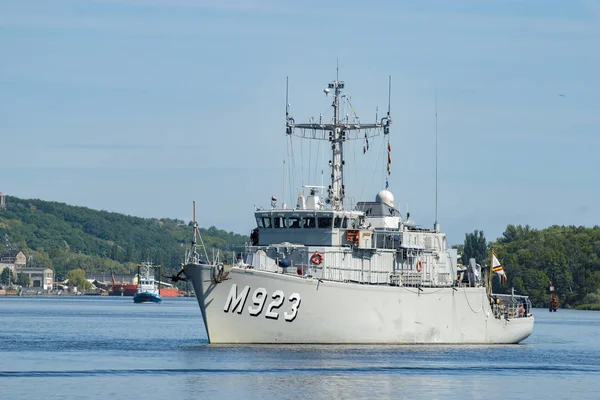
x: 42, y: 278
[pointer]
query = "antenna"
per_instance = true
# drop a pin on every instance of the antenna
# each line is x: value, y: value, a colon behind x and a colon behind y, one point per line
x: 287, y: 104
x: 337, y: 69
x: 283, y: 175
x: 436, y: 225
x: 389, y: 95
x: 195, y: 226
x: 195, y: 254
x: 388, y: 118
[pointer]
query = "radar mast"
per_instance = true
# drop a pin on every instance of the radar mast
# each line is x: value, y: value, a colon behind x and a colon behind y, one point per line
x: 338, y: 132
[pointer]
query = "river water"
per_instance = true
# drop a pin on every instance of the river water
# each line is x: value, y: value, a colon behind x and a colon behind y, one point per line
x: 108, y: 347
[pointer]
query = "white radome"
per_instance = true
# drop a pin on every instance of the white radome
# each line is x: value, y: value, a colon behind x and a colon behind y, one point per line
x: 385, y: 197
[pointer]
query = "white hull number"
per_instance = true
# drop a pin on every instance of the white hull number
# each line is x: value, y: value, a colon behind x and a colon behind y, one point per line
x: 235, y: 303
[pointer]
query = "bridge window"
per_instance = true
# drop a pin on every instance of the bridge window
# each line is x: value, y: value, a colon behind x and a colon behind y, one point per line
x: 337, y: 222
x: 279, y: 222
x: 308, y: 222
x: 263, y: 222
x: 340, y: 222
x: 325, y: 222
x: 293, y: 222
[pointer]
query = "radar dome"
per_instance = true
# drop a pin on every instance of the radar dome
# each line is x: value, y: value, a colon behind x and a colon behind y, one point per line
x: 385, y: 197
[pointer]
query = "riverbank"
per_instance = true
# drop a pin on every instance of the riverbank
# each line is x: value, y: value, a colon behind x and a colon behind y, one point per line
x: 16, y: 292
x: 589, y: 307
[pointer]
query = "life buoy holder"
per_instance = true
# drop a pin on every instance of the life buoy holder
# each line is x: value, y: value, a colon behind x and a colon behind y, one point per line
x: 316, y: 258
x: 419, y: 266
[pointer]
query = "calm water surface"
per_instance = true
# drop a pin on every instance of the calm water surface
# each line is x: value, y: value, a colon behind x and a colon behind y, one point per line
x: 92, y: 348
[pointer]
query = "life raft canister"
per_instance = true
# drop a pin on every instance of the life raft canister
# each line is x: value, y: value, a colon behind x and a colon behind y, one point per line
x: 316, y: 258
x: 419, y: 266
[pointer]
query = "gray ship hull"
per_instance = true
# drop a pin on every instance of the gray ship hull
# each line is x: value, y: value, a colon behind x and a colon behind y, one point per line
x: 252, y: 306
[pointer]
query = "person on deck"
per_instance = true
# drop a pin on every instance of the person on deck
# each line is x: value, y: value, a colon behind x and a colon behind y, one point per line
x: 521, y: 310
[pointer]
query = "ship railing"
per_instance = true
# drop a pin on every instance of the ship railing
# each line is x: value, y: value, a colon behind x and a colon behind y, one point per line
x: 415, y: 279
x: 333, y: 272
x: 411, y: 279
x: 510, y: 306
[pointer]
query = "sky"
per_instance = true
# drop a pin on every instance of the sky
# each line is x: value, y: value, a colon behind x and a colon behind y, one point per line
x: 141, y: 106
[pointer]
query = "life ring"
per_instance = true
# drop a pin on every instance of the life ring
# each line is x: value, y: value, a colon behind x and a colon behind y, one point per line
x: 419, y: 266
x: 316, y: 258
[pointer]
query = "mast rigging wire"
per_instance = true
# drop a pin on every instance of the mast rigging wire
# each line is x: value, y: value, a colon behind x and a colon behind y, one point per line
x: 374, y: 166
x: 301, y: 162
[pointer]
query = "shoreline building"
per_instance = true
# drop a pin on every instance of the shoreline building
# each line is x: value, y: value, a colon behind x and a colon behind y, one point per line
x: 16, y: 262
x: 39, y: 277
x: 12, y: 259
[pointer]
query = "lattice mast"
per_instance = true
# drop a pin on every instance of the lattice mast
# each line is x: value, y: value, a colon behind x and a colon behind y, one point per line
x: 337, y: 130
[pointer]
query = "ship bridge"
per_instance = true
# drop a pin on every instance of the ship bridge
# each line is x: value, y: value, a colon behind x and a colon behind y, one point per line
x: 306, y: 227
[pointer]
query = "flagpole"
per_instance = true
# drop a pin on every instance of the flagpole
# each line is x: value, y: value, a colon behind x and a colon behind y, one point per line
x: 490, y: 275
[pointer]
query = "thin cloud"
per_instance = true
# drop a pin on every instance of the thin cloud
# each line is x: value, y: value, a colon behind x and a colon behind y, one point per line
x: 104, y: 146
x: 270, y: 7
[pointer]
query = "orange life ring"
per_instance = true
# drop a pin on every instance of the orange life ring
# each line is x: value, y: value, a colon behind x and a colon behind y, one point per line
x: 316, y: 258
x: 419, y: 266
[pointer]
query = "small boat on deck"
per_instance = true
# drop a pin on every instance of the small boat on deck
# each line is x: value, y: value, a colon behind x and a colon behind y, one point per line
x: 148, y: 291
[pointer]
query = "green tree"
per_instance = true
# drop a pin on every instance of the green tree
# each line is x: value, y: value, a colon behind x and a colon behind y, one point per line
x: 115, y: 252
x: 76, y: 278
x: 5, y: 277
x: 567, y: 256
x: 129, y: 255
x: 41, y: 259
x: 475, y: 247
x: 23, y: 279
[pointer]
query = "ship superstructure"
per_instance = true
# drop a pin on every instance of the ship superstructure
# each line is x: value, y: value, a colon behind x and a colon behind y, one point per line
x: 320, y: 273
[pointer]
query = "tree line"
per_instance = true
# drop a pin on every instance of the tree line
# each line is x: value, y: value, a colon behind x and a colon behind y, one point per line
x: 568, y: 257
x: 7, y: 277
x: 66, y: 238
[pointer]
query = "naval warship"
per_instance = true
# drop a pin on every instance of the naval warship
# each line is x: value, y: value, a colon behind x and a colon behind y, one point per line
x: 324, y: 272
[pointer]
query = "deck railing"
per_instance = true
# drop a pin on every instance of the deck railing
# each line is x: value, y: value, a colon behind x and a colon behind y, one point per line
x: 510, y: 306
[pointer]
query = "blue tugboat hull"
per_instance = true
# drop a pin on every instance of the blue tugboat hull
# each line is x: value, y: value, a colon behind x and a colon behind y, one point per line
x: 146, y: 297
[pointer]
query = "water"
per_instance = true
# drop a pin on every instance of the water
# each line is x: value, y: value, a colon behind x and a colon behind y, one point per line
x: 92, y: 348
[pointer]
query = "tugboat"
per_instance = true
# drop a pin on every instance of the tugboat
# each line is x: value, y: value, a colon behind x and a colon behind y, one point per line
x: 147, y: 289
x: 328, y: 272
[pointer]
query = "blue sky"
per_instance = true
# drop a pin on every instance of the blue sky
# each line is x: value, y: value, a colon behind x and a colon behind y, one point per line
x: 141, y: 106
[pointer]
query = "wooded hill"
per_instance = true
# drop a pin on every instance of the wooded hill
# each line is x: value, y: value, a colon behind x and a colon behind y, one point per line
x: 66, y: 237
x: 567, y: 256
